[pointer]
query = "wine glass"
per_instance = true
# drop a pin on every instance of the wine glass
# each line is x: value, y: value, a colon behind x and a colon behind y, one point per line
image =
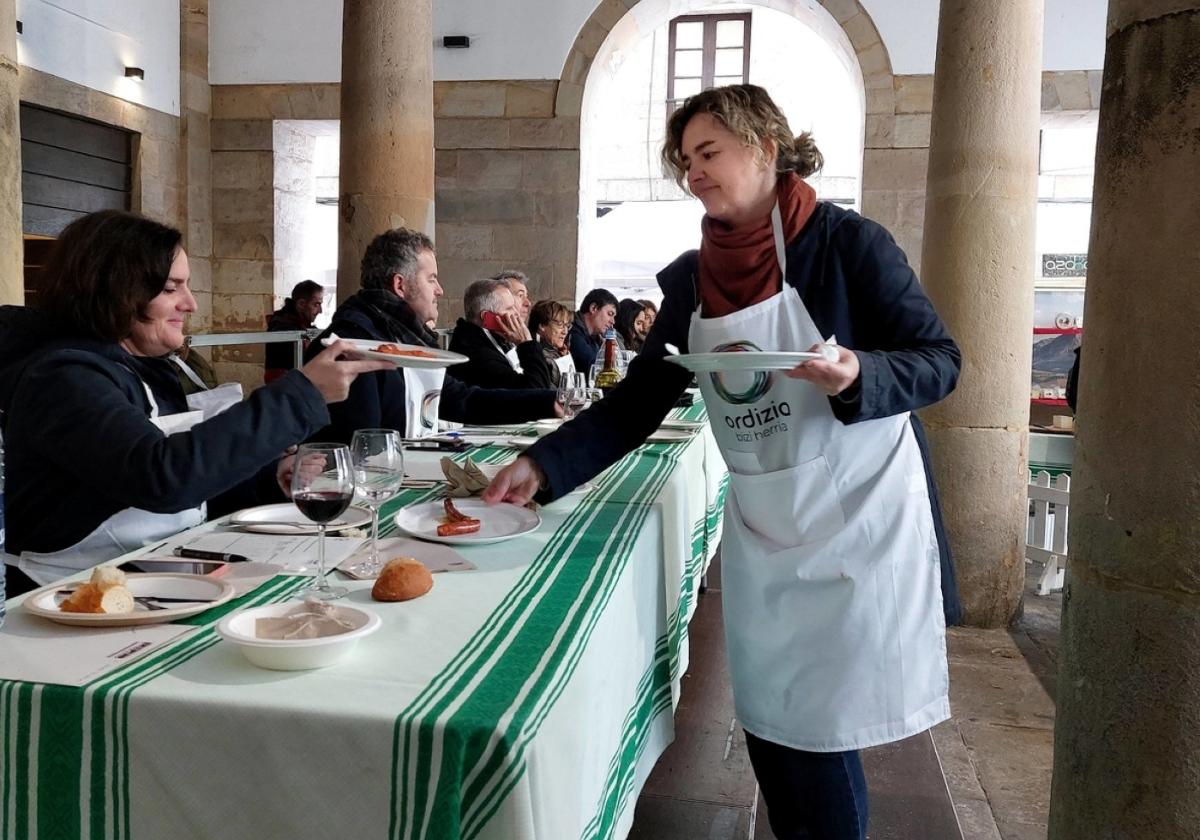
x: 378, y: 460
x: 322, y: 487
x: 572, y: 394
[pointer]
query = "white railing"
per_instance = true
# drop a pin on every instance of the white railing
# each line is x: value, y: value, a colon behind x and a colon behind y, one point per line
x: 1046, y: 541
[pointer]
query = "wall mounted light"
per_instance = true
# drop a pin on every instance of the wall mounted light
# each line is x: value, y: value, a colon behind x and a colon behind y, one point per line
x: 456, y: 42
x: 135, y: 73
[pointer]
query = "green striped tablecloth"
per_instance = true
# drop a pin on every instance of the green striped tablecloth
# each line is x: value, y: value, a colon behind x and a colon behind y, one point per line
x: 527, y: 699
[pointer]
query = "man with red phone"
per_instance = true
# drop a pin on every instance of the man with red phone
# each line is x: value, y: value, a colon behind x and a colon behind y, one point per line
x: 494, y: 336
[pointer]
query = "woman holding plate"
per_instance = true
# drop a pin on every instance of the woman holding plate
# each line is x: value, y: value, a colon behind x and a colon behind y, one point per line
x: 836, y: 573
x: 105, y: 453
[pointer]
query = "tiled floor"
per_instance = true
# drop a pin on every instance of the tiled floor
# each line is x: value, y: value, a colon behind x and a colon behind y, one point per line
x: 987, y: 770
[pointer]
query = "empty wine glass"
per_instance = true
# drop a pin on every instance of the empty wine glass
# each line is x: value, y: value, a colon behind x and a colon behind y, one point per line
x: 377, y: 456
x: 322, y: 487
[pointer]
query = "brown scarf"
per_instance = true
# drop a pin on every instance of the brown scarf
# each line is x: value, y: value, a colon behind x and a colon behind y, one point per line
x: 738, y: 267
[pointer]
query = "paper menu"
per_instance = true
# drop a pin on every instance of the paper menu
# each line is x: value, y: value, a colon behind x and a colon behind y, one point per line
x: 293, y: 554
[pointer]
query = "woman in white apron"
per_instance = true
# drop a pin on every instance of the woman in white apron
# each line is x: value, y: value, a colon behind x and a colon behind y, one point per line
x: 104, y: 453
x: 832, y: 566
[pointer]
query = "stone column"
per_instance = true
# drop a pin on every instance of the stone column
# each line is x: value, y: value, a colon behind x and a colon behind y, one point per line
x: 977, y: 265
x: 195, y: 157
x: 12, y: 247
x: 386, y: 177
x: 1127, y: 733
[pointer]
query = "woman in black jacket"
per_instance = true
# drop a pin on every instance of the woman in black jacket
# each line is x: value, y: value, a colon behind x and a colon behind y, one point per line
x: 104, y: 455
x: 832, y: 592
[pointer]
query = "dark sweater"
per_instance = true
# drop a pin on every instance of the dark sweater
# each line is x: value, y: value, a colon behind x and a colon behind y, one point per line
x: 80, y: 446
x: 583, y: 345
x: 856, y: 284
x: 489, y: 367
x: 377, y: 400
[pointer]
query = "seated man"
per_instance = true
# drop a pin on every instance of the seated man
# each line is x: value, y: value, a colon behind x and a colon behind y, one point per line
x: 517, y: 283
x: 596, y: 314
x: 494, y: 336
x: 399, y: 294
x: 298, y: 312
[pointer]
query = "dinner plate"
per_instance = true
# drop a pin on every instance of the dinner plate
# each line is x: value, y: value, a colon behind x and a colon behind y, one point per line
x: 671, y: 436
x: 500, y: 522
x: 733, y: 360
x: 210, y: 592
x: 286, y: 518
x: 431, y: 357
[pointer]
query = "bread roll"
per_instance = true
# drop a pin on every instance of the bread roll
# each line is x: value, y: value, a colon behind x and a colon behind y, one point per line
x: 402, y: 579
x: 91, y: 598
x: 105, y: 577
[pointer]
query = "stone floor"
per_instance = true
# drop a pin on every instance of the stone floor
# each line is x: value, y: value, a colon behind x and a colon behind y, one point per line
x: 984, y: 775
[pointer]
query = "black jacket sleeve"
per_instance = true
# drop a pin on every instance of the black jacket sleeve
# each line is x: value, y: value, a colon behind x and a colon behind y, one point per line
x: 91, y: 427
x: 907, y: 356
x: 621, y: 422
x: 463, y: 403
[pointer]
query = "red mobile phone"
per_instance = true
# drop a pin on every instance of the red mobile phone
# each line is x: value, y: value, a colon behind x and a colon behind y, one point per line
x: 491, y: 322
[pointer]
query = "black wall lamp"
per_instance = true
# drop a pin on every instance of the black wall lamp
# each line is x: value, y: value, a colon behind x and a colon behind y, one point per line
x: 135, y: 73
x: 456, y: 42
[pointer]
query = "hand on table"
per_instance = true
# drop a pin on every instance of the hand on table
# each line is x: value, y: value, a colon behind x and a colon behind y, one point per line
x: 830, y: 377
x: 517, y: 483
x: 333, y: 376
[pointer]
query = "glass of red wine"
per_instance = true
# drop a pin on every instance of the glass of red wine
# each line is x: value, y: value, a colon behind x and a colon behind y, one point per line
x: 322, y: 487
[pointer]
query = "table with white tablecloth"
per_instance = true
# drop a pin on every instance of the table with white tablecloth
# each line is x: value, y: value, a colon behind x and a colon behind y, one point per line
x: 527, y: 698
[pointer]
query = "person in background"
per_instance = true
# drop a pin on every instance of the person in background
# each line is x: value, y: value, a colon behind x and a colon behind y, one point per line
x: 631, y: 324
x: 299, y: 312
x: 836, y: 577
x: 651, y: 313
x: 517, y: 283
x: 105, y: 454
x: 596, y: 314
x: 399, y: 296
x: 494, y: 335
x: 549, y: 321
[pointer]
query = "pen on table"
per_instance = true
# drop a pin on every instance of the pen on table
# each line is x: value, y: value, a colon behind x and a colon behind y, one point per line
x: 219, y: 556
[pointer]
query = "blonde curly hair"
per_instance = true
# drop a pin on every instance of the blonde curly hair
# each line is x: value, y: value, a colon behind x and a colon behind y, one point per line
x: 748, y: 112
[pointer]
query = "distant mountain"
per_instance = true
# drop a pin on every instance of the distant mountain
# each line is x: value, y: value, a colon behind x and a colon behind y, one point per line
x: 1055, y: 353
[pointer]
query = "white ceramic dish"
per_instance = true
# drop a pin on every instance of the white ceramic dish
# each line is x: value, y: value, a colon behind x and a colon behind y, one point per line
x: 671, y: 436
x: 286, y: 518
x: 208, y: 591
x: 294, y: 654
x: 500, y: 522
x: 435, y: 359
x: 734, y: 360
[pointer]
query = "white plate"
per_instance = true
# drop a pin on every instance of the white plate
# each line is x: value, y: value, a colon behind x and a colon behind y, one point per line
x: 211, y: 592
x: 670, y: 436
x: 500, y: 522
x: 294, y: 654
x: 685, y: 425
x: 732, y: 360
x: 436, y: 359
x: 286, y: 518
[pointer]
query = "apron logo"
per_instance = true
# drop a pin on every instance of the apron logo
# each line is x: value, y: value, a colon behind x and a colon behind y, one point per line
x: 429, y: 409
x: 762, y: 382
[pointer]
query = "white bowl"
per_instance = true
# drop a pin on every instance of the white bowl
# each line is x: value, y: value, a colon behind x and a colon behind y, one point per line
x: 294, y: 654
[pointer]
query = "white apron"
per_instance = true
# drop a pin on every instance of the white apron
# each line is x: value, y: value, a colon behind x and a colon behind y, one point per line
x: 125, y: 530
x: 422, y: 394
x: 831, y: 585
x: 211, y: 401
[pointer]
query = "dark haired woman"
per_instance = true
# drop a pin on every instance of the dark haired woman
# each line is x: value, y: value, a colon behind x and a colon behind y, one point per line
x: 631, y: 324
x: 104, y: 455
x: 832, y: 594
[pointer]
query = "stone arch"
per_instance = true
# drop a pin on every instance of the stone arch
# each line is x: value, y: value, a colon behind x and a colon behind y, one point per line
x: 854, y: 22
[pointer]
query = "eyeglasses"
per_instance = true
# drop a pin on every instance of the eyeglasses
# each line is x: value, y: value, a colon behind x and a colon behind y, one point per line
x: 562, y: 325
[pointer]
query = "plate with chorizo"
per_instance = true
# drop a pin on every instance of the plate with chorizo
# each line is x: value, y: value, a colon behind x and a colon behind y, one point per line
x: 401, y: 355
x: 466, y: 521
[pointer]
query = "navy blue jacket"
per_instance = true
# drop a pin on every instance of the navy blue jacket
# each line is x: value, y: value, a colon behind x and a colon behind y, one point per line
x: 79, y: 445
x: 583, y: 345
x: 856, y: 284
x: 377, y: 400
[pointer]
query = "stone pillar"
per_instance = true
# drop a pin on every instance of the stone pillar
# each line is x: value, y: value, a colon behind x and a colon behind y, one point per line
x: 386, y: 177
x: 1127, y: 733
x: 12, y: 247
x: 977, y: 264
x: 195, y: 157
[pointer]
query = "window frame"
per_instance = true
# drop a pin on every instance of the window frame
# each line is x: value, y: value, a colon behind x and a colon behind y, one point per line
x: 708, y: 50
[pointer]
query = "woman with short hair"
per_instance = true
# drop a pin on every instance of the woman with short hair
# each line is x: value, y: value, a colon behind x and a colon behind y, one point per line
x: 549, y: 321
x: 831, y: 587
x: 103, y: 454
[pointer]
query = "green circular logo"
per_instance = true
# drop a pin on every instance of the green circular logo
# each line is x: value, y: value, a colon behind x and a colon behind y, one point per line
x: 762, y: 382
